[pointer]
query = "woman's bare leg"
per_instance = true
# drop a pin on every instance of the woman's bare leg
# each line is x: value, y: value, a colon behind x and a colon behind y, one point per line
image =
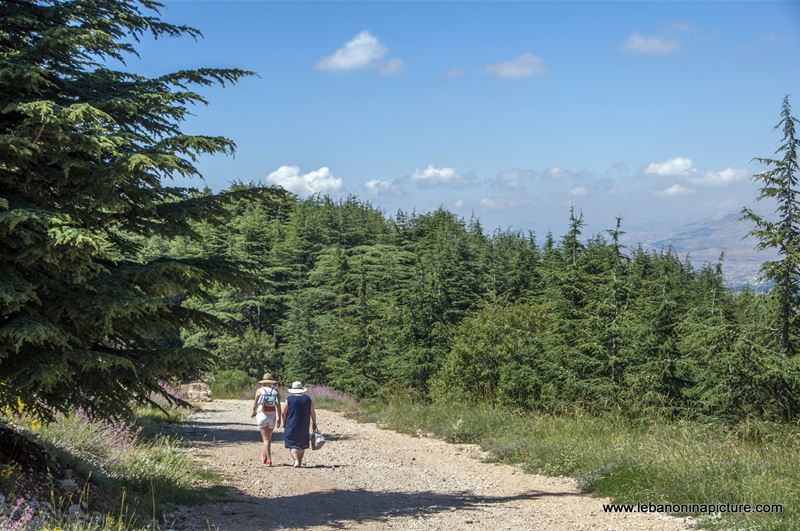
x: 298, y: 457
x: 269, y: 445
x: 266, y: 436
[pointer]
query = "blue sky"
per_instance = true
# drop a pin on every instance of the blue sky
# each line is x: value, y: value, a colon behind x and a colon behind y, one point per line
x: 510, y: 110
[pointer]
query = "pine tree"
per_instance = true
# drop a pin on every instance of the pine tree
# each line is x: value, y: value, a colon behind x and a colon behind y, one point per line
x: 779, y: 183
x: 619, y: 297
x: 86, y: 151
x: 655, y: 373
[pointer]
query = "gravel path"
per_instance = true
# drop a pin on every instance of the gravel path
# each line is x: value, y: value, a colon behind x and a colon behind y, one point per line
x: 369, y: 478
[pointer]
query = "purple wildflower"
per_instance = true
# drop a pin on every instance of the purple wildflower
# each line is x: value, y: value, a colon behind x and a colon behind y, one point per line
x: 323, y: 391
x: 120, y: 433
x: 23, y: 520
x: 19, y: 517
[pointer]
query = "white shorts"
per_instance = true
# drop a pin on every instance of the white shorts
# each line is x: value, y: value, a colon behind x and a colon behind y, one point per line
x: 266, y: 420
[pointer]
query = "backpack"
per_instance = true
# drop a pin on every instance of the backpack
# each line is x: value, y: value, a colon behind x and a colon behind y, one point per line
x: 268, y: 399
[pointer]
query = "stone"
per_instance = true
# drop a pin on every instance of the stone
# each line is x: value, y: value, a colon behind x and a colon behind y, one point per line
x: 195, y: 391
x: 68, y: 484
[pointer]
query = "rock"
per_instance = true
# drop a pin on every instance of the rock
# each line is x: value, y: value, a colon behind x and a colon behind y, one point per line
x: 197, y: 391
x: 68, y: 484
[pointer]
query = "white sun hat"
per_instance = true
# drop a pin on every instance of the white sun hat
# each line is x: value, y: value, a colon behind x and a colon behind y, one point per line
x: 297, y: 388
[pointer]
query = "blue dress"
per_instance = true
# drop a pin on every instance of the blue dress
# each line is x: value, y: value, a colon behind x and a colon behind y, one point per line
x: 298, y: 418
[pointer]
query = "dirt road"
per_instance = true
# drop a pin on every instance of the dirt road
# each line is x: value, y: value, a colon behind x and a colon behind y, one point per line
x: 369, y: 478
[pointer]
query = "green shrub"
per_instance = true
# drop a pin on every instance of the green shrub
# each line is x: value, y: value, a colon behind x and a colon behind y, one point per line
x: 232, y: 384
x: 496, y: 354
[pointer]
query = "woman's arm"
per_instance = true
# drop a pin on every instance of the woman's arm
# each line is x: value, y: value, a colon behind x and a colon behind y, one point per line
x: 278, y: 412
x: 255, y: 403
x: 313, y: 417
x: 283, y: 411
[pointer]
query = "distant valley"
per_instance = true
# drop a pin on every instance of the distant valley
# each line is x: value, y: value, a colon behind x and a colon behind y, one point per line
x: 703, y: 241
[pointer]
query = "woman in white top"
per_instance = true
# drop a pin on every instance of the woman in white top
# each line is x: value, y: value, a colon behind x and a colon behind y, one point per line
x: 266, y: 406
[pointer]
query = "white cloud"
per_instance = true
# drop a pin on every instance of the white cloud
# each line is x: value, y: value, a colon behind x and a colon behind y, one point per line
x: 682, y: 26
x: 555, y: 171
x: 722, y: 177
x: 578, y: 191
x: 514, y: 179
x: 454, y: 73
x: 391, y: 66
x: 502, y: 204
x: 380, y: 187
x: 459, y: 204
x: 650, y: 44
x: 524, y: 65
x: 683, y: 168
x: 364, y: 51
x: 677, y: 166
x: 434, y: 175
x: 674, y: 191
x: 321, y: 181
x: 619, y: 168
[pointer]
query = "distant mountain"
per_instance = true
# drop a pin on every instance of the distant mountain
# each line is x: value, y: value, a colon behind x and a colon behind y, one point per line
x: 704, y: 241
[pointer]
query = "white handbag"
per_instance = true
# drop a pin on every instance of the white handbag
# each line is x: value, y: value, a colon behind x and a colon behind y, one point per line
x: 317, y: 440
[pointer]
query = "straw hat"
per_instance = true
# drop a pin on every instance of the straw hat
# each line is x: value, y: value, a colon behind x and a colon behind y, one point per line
x: 267, y: 378
x: 297, y: 388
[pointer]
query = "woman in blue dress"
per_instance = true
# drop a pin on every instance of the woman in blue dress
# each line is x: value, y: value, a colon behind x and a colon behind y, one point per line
x: 298, y: 412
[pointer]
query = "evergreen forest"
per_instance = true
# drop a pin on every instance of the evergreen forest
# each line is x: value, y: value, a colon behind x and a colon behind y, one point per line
x: 114, y: 280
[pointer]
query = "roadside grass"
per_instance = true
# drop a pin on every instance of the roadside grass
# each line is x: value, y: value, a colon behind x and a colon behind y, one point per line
x: 131, y: 457
x: 628, y: 460
x: 152, y: 421
x: 134, y: 470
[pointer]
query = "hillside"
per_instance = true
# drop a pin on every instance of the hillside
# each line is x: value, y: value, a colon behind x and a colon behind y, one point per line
x: 703, y: 241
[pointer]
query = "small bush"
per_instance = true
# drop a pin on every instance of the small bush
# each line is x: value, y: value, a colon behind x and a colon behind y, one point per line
x: 232, y: 384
